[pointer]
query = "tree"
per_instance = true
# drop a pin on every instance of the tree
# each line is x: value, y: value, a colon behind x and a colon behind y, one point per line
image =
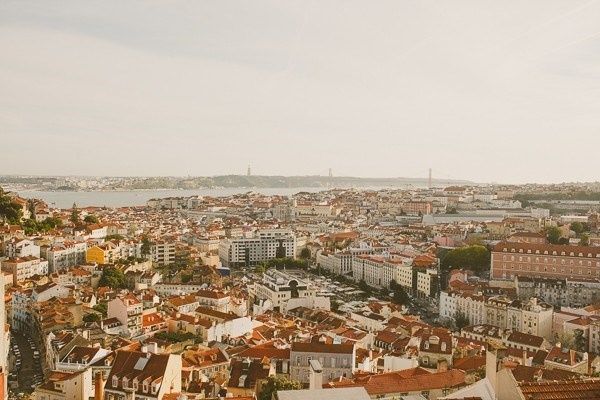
x: 579, y: 341
x: 305, y: 253
x: 175, y: 337
x: 102, y: 308
x: 31, y: 226
x: 90, y: 219
x: 577, y: 227
x: 476, y: 258
x: 585, y: 240
x: 31, y: 208
x: 116, y: 236
x: 74, y: 215
x: 461, y: 320
x: 146, y: 245
x: 362, y: 285
x: 276, y: 383
x: 400, y: 296
x: 113, y: 277
x: 92, y: 317
x: 9, y: 211
x: 553, y: 234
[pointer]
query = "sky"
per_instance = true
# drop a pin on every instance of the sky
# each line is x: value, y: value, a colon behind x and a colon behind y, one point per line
x: 485, y: 90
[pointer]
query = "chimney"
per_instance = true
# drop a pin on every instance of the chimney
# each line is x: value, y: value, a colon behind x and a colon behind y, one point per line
x: 316, y: 375
x: 99, y: 387
x: 493, y: 359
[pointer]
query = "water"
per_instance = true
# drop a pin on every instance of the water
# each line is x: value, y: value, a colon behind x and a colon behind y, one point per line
x: 127, y: 198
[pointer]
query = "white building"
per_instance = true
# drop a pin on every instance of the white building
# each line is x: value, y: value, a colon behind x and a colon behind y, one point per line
x: 378, y: 271
x: 149, y: 376
x: 163, y: 252
x: 532, y: 316
x: 66, y: 386
x: 337, y: 263
x: 19, y: 248
x: 277, y: 289
x: 25, y: 267
x: 128, y: 310
x: 64, y: 255
x: 263, y: 246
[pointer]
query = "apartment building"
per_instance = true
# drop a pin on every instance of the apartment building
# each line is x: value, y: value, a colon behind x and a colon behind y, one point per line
x: 103, y: 253
x: 569, y: 292
x: 163, y: 252
x: 143, y: 375
x: 128, y: 310
x: 528, y: 316
x: 66, y: 386
x: 263, y: 246
x: 510, y: 259
x: 337, y: 360
x: 377, y: 270
x: 337, y: 263
x: 64, y: 255
x: 416, y: 207
x: 18, y: 248
x: 25, y: 267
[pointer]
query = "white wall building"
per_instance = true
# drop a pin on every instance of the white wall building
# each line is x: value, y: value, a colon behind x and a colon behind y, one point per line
x: 263, y: 246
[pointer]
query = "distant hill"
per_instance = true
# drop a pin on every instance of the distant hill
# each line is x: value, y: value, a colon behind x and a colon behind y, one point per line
x: 257, y: 181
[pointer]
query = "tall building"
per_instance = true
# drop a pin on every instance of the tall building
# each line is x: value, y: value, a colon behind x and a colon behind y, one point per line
x: 264, y: 246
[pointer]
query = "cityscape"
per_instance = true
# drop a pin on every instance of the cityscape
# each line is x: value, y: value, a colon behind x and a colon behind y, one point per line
x: 314, y: 200
x: 444, y: 292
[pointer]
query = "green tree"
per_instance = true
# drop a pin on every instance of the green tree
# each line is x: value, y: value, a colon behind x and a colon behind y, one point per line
x: 276, y: 383
x: 579, y: 341
x: 400, y: 296
x: 113, y: 277
x: 114, y: 237
x: 90, y: 219
x: 585, y: 240
x: 102, y: 308
x: 31, y: 208
x: 475, y: 257
x: 176, y: 337
x: 305, y: 253
x: 460, y: 319
x: 362, y: 285
x: 553, y: 234
x: 74, y: 215
x: 91, y: 317
x: 9, y: 211
x: 146, y: 245
x: 31, y: 226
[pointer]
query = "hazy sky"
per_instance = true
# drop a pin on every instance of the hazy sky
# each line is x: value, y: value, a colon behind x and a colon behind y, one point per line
x: 492, y: 90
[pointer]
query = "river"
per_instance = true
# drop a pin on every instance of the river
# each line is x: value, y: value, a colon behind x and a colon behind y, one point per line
x: 65, y: 199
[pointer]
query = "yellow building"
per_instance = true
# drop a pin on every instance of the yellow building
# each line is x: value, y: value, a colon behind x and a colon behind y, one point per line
x: 101, y: 254
x: 96, y: 254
